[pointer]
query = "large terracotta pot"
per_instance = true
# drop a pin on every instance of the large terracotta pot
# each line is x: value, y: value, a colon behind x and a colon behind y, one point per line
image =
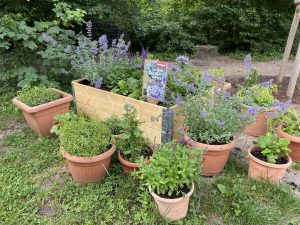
x: 173, y: 209
x: 89, y: 169
x: 294, y: 146
x: 260, y: 126
x: 127, y: 166
x: 215, y: 156
x: 40, y: 118
x: 259, y: 169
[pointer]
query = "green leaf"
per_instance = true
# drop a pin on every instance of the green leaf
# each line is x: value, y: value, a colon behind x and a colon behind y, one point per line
x: 30, y: 44
x: 221, y: 188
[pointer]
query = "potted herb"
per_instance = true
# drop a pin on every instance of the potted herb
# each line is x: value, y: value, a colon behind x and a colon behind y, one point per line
x: 40, y: 104
x: 133, y: 147
x: 259, y: 100
x: 212, y: 121
x: 269, y: 159
x: 87, y: 146
x: 170, y: 178
x: 289, y: 128
x: 116, y: 126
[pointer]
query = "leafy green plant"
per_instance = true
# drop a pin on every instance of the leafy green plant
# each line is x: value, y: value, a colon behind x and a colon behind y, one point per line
x: 290, y: 121
x: 115, y: 124
x: 172, y: 167
x: 272, y: 147
x: 38, y: 95
x: 132, y: 144
x: 82, y: 137
x: 214, y: 118
x: 260, y: 95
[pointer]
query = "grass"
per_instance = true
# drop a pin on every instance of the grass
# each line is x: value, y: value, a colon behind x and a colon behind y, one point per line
x: 36, y: 188
x: 257, y: 56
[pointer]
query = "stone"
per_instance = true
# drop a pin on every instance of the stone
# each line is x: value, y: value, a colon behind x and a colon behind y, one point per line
x: 205, y: 51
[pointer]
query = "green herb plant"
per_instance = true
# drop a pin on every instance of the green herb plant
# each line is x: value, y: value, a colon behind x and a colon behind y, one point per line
x: 172, y: 167
x: 272, y: 147
x: 82, y: 137
x: 115, y: 124
x: 132, y: 144
x: 214, y: 118
x: 38, y: 95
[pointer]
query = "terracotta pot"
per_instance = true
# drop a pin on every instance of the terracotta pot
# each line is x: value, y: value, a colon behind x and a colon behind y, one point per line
x: 259, y: 169
x: 128, y: 167
x: 294, y: 146
x: 173, y: 209
x: 215, y: 156
x: 40, y: 118
x: 89, y: 169
x: 260, y: 126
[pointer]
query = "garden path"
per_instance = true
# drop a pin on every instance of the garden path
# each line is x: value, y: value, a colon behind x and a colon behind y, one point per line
x: 235, y: 67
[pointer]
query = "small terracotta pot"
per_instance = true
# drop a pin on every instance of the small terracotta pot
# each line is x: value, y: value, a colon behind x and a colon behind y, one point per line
x: 40, y: 118
x: 215, y: 156
x: 89, y: 169
x: 260, y: 126
x: 259, y: 169
x: 128, y: 167
x: 294, y: 146
x: 173, y: 209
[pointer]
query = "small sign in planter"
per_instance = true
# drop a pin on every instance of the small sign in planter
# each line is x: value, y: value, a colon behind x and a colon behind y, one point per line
x: 155, y: 79
x: 159, y: 123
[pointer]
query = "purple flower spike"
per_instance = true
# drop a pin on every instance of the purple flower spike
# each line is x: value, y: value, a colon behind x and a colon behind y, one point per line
x: 103, y: 42
x: 244, y: 116
x: 89, y: 29
x: 178, y: 101
x: 267, y: 83
x: 252, y: 110
x: 248, y: 62
x: 144, y: 54
x: 220, y: 123
x: 49, y: 39
x: 94, y: 50
x: 183, y: 59
x: 99, y: 83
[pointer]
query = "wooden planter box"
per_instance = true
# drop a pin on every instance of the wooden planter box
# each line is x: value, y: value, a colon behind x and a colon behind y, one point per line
x: 160, y: 124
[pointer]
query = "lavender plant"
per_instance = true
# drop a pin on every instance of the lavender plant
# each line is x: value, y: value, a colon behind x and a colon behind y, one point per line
x: 215, y: 118
x: 252, y: 73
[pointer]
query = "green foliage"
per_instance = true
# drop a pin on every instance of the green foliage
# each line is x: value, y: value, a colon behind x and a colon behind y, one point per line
x: 38, y: 95
x: 258, y: 95
x: 290, y: 122
x: 272, y: 147
x: 80, y: 136
x: 172, y: 166
x: 132, y: 144
x: 115, y: 124
x: 214, y: 118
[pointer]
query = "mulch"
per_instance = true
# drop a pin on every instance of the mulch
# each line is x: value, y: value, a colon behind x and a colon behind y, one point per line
x: 281, y: 92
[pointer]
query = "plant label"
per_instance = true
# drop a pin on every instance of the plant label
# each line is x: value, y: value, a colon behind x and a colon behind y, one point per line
x: 155, y: 79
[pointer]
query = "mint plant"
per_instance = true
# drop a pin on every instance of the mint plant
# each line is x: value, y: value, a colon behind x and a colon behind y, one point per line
x: 172, y: 167
x: 132, y: 144
x: 272, y: 147
x: 37, y: 95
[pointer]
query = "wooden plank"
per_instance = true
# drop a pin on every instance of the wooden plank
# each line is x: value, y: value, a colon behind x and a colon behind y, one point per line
x: 289, y: 43
x: 295, y: 74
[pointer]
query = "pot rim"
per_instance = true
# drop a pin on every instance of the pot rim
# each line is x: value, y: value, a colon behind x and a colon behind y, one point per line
x: 97, y: 158
x: 286, y: 135
x: 171, y: 201
x: 131, y: 164
x: 208, y: 146
x: 65, y: 98
x: 276, y: 166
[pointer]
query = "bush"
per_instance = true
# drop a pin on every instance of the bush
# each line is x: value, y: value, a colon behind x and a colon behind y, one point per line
x: 80, y: 136
x: 38, y: 95
x: 115, y: 124
x: 172, y: 167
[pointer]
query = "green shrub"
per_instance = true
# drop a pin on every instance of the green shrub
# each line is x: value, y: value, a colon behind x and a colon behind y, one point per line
x: 80, y: 136
x: 38, y: 95
x: 171, y: 167
x: 115, y: 124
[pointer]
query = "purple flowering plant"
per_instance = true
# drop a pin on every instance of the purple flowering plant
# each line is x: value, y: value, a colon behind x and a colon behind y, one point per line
x: 215, y: 119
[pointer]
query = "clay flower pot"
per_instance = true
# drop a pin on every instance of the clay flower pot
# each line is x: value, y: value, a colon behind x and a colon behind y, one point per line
x: 127, y: 166
x: 215, y: 156
x: 260, y: 126
x: 89, y: 169
x: 294, y: 146
x: 259, y: 169
x: 173, y: 209
x: 40, y: 118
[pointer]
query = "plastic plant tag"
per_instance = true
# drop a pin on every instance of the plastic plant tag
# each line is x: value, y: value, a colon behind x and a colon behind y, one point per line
x: 155, y: 80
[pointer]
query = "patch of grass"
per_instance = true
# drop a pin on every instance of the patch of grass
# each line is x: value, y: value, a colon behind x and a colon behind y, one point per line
x: 35, y: 188
x: 257, y: 56
x: 7, y: 109
x: 297, y: 166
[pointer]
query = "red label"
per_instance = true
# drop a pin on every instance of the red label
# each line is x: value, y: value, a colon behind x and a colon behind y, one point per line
x: 161, y: 64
